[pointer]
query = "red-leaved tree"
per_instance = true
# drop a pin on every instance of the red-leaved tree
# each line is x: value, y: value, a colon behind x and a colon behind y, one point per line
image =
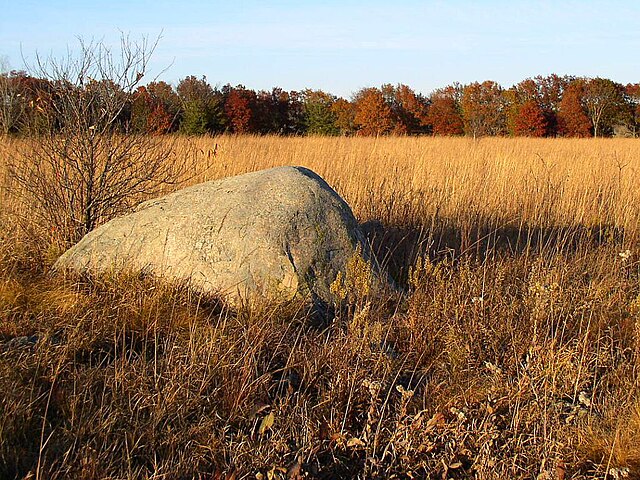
x: 444, y: 114
x: 148, y: 114
x: 632, y: 92
x: 240, y: 108
x: 572, y: 118
x: 529, y: 120
x: 409, y: 109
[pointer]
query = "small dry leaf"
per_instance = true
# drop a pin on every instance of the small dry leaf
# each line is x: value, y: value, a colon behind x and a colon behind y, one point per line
x: 403, y: 391
x: 437, y: 420
x: 338, y: 439
x: 267, y: 423
x: 561, y: 470
x: 294, y: 472
x: 274, y: 473
x: 323, y: 431
x: 455, y: 465
x: 355, y: 442
x: 583, y: 398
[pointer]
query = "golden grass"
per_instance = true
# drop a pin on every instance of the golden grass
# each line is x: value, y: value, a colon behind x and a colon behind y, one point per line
x: 534, y: 181
x: 514, y: 352
x: 456, y: 193
x: 510, y: 181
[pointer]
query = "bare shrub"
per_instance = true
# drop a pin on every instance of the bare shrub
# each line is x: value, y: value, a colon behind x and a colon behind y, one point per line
x: 84, y: 165
x: 11, y: 104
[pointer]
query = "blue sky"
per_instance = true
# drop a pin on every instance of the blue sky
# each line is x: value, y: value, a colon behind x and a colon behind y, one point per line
x: 341, y: 46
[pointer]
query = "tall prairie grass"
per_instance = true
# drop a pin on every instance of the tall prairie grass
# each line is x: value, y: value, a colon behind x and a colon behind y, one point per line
x: 458, y: 194
x: 513, y: 351
x: 539, y: 182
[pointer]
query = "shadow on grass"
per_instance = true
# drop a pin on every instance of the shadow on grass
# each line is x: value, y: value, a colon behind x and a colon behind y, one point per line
x: 398, y: 246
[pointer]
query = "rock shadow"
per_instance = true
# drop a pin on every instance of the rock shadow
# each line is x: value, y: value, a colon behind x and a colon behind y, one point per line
x: 397, y: 246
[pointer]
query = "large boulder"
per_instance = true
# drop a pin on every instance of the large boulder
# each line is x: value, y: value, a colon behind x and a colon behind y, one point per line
x: 276, y: 233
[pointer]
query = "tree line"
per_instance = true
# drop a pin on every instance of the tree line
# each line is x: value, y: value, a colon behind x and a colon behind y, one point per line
x: 544, y: 106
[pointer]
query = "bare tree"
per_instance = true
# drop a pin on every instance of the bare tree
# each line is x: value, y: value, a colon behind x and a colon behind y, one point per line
x: 605, y: 104
x: 85, y: 165
x: 484, y: 109
x: 11, y: 101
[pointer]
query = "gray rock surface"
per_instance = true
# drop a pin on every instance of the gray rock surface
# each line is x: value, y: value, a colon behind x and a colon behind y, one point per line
x: 274, y: 233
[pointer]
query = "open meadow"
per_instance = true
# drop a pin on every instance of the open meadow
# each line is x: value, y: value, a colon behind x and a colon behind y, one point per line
x: 512, y: 350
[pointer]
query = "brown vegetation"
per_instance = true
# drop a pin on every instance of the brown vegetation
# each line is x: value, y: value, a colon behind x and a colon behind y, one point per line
x: 513, y: 354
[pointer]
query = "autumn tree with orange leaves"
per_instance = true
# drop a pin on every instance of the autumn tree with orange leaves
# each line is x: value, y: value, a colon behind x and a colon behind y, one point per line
x: 529, y: 120
x: 149, y: 114
x: 572, y: 117
x: 409, y: 109
x: 345, y: 116
x: 373, y: 115
x: 444, y: 115
x: 240, y: 109
x: 164, y: 95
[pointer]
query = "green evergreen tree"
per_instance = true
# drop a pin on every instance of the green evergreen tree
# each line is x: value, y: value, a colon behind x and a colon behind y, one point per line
x: 319, y: 117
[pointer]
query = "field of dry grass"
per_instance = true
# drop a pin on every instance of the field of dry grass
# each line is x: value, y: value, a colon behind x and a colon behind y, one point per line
x: 514, y: 351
